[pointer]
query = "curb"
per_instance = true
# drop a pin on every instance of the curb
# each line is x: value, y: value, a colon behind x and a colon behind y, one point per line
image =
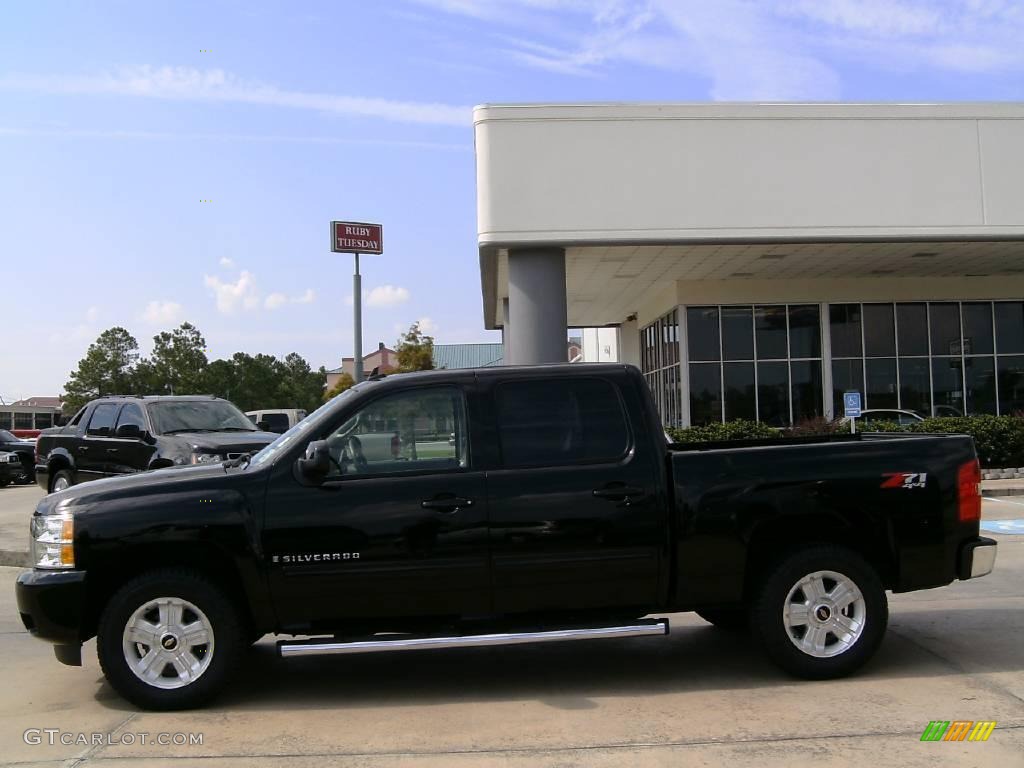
x: 997, y: 492
x: 13, y: 558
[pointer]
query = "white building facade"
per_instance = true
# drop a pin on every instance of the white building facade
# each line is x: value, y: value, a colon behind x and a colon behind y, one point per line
x: 757, y: 260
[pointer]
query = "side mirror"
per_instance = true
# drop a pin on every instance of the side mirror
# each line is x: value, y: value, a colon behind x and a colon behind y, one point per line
x: 316, y: 464
x: 129, y: 432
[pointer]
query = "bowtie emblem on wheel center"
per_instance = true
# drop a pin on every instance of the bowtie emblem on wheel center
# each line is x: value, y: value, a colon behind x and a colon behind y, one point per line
x: 169, y: 642
x: 822, y: 613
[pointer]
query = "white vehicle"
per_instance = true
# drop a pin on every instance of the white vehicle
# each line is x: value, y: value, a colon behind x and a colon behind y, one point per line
x: 278, y: 420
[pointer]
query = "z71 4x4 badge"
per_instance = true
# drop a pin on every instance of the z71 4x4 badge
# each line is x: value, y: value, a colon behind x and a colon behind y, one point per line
x: 905, y: 479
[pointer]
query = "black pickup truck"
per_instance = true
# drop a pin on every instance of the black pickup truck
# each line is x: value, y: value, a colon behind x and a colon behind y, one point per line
x: 557, y: 513
x: 122, y: 434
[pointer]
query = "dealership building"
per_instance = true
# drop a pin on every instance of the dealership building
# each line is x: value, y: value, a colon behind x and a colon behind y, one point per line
x: 758, y: 260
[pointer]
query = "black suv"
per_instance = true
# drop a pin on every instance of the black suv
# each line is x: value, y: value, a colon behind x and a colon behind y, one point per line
x: 25, y: 451
x: 123, y: 434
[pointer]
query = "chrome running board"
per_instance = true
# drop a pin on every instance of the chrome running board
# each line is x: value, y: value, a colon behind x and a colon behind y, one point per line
x: 401, y: 643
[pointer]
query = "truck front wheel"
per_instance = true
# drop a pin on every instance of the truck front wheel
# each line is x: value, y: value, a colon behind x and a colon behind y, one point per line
x: 821, y: 613
x: 169, y: 639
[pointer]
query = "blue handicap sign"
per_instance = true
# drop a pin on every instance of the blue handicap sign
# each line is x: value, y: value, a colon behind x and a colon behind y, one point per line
x: 1003, y: 526
x: 851, y: 405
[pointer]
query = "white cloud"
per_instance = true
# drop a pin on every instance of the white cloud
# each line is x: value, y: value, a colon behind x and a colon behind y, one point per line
x: 427, y: 325
x: 91, y: 314
x: 756, y: 49
x: 226, y: 262
x: 307, y: 298
x: 275, y: 300
x: 387, y: 296
x: 231, y: 296
x: 162, y: 312
x: 218, y: 86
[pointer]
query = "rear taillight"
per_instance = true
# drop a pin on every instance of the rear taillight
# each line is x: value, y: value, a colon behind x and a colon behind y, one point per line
x: 968, y: 483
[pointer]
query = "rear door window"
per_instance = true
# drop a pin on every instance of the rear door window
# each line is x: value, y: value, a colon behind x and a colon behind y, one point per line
x: 102, y: 421
x: 551, y: 422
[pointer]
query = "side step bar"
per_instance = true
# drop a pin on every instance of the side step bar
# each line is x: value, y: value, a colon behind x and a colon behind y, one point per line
x: 289, y: 648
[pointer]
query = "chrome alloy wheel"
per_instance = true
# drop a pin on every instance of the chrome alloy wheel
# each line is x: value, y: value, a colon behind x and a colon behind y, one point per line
x: 61, y: 484
x: 824, y: 614
x: 168, y: 643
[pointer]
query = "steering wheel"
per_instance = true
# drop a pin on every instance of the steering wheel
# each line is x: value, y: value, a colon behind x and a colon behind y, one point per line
x: 355, y: 446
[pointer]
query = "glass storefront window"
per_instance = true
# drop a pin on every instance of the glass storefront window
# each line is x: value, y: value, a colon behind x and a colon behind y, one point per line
x: 705, y: 393
x: 881, y: 383
x: 980, y: 393
x: 978, y: 328
x: 740, y: 397
x: 915, y: 385
x: 845, y: 330
x: 947, y: 386
x: 773, y: 393
x: 1009, y: 317
x: 879, y: 331
x: 770, y: 333
x: 806, y: 380
x: 702, y: 329
x: 737, y: 333
x: 804, y: 331
x: 659, y: 361
x: 1011, y: 384
x: 944, y: 320
x: 847, y: 376
x: 912, y: 321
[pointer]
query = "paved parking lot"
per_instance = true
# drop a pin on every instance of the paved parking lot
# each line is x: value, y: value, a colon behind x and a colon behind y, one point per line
x: 698, y: 697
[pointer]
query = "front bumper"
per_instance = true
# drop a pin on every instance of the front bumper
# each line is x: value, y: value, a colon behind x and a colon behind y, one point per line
x: 52, y: 604
x: 977, y: 558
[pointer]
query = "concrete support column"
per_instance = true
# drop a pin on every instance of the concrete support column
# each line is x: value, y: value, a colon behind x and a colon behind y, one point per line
x: 629, y: 343
x: 506, y: 332
x: 537, y: 306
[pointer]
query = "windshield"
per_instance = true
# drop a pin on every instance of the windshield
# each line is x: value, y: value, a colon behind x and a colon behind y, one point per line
x: 197, y: 416
x: 299, y: 430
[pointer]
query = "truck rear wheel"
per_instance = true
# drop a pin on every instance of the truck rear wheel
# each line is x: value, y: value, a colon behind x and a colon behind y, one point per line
x: 821, y: 614
x: 169, y: 639
x: 61, y: 481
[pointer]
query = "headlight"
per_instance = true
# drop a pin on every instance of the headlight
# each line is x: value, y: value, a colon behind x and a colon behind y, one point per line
x: 53, y: 538
x: 206, y: 458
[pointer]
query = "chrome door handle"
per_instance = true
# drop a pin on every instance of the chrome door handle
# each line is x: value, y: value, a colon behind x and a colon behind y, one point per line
x: 446, y: 504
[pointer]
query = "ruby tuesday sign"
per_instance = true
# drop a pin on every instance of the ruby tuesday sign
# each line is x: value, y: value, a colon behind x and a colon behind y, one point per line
x: 356, y: 237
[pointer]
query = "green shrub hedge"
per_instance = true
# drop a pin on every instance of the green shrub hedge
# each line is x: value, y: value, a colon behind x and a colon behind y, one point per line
x: 998, y: 439
x: 741, y: 429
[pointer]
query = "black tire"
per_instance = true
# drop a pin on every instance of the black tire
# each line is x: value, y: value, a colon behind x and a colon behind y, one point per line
x: 4, y: 483
x: 227, y: 648
x: 66, y: 474
x: 849, y: 651
x: 729, y: 619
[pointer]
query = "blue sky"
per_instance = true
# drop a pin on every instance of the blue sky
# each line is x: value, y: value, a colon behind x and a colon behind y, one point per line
x: 118, y: 118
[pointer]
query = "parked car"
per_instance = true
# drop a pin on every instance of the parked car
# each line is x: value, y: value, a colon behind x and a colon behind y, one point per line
x: 126, y: 434
x: 558, y: 514
x: 25, y: 450
x: 278, y: 420
x: 887, y: 414
x: 10, y: 469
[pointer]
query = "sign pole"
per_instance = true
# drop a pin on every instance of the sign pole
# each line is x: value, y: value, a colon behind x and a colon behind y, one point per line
x: 357, y: 237
x: 357, y: 304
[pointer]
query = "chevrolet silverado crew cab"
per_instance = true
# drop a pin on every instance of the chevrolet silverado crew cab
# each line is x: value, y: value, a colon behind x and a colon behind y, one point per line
x: 118, y: 435
x: 556, y: 513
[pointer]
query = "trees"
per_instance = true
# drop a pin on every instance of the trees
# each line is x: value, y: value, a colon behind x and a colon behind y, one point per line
x: 179, y: 366
x: 415, y: 350
x: 108, y: 368
x: 178, y: 361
